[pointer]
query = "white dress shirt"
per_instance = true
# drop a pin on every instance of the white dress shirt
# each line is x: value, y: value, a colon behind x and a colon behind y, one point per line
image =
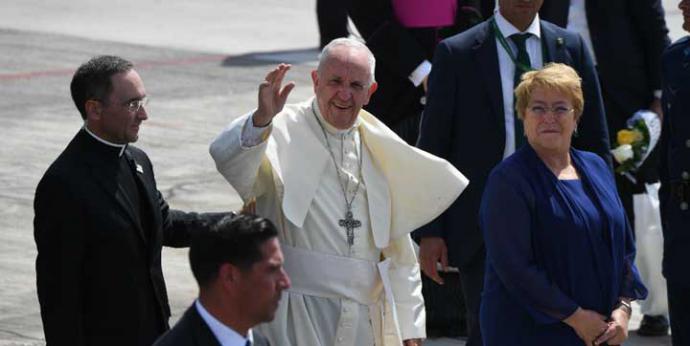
x: 224, y: 334
x: 507, y: 68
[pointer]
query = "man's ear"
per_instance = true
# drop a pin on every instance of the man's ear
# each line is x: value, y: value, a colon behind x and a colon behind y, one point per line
x: 228, y: 274
x: 372, y: 90
x: 94, y: 109
x: 315, y: 78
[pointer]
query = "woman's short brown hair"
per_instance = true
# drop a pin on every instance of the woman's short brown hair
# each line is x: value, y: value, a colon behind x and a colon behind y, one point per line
x: 554, y: 76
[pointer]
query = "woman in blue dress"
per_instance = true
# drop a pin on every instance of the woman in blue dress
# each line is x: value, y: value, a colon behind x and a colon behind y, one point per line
x: 560, y: 254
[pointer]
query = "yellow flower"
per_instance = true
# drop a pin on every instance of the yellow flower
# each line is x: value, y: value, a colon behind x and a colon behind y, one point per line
x: 629, y: 136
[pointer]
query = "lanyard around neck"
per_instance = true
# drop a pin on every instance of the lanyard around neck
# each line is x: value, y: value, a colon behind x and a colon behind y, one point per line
x: 504, y: 43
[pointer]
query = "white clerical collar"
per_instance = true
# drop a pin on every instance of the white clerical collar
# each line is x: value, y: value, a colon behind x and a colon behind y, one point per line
x: 225, y: 335
x: 330, y: 128
x: 508, y: 29
x: 122, y: 147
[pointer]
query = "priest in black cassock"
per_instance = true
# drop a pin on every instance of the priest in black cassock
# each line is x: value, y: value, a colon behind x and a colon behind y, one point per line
x: 403, y: 35
x: 100, y: 221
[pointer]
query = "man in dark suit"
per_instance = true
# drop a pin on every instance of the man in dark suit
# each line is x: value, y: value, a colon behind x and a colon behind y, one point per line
x: 674, y: 171
x: 239, y: 270
x: 100, y: 222
x: 331, y: 16
x: 469, y: 120
x: 626, y: 39
x: 402, y: 35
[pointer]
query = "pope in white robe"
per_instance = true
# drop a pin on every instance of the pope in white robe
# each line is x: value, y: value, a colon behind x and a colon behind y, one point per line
x: 344, y: 192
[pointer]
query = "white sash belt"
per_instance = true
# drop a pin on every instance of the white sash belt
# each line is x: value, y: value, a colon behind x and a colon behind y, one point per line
x: 322, y: 275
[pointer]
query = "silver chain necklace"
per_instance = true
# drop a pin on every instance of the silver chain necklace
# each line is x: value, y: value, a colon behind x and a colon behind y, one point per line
x: 349, y: 222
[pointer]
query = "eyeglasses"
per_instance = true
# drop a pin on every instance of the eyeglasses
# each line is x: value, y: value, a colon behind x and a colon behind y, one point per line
x: 557, y: 111
x: 135, y: 105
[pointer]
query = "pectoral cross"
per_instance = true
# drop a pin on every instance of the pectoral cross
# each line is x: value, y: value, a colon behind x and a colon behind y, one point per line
x: 350, y: 223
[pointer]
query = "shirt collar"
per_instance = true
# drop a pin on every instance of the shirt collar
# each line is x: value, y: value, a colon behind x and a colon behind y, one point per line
x: 122, y: 147
x: 508, y: 29
x: 330, y: 128
x: 226, y: 336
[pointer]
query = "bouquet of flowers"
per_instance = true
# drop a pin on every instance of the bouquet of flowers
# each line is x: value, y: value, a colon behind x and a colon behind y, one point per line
x: 635, y: 142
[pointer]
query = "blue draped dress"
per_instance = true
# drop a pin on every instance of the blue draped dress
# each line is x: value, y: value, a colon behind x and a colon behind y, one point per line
x: 552, y: 246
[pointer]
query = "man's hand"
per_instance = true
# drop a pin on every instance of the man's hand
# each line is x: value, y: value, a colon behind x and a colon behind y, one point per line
x: 588, y: 324
x: 431, y: 251
x: 412, y: 342
x: 272, y: 96
x: 617, y: 331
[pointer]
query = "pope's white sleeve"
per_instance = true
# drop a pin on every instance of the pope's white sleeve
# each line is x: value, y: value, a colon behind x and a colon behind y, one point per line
x: 254, y: 135
x: 406, y: 284
x: 238, y: 162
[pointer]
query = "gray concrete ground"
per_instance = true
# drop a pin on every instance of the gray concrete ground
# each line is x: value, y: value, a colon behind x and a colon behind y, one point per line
x: 200, y: 62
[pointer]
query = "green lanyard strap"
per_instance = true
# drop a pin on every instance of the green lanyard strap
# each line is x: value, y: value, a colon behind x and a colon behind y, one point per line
x: 502, y: 40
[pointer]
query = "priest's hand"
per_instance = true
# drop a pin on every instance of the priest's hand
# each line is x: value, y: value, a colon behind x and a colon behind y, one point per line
x: 431, y: 251
x: 272, y: 95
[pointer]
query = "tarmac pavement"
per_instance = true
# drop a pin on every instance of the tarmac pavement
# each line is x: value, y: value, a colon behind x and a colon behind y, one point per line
x: 200, y: 61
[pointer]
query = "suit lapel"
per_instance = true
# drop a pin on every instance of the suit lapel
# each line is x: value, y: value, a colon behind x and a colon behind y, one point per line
x: 486, y: 56
x: 554, y: 46
x: 202, y: 333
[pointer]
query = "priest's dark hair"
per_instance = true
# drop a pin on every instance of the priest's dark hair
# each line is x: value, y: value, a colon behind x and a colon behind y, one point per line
x: 234, y: 239
x: 91, y: 81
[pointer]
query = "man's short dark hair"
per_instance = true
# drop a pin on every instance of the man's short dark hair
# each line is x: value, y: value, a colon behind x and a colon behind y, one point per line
x: 233, y: 239
x: 92, y: 79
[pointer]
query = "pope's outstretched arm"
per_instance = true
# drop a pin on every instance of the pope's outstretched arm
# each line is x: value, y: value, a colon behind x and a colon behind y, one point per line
x: 239, y: 150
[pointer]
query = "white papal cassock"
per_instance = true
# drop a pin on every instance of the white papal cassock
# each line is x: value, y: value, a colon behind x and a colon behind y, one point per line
x: 368, y: 293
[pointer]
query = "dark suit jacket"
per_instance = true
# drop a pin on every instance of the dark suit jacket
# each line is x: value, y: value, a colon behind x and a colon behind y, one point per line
x: 398, y: 51
x: 98, y: 269
x: 674, y: 149
x: 192, y: 330
x: 464, y: 121
x: 628, y: 37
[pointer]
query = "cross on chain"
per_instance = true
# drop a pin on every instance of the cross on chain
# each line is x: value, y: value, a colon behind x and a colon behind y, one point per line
x: 350, y: 223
